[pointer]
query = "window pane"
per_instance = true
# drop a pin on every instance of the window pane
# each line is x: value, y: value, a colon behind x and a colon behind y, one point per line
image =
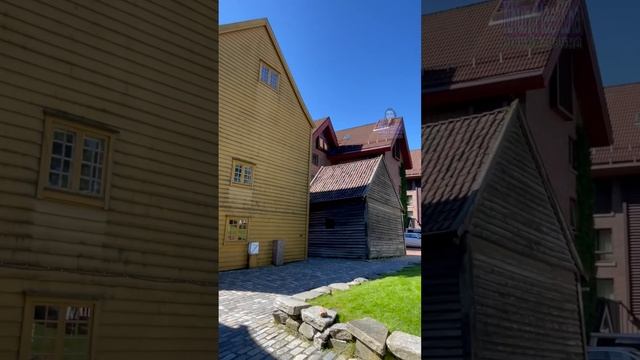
x: 248, y: 175
x: 274, y: 80
x: 237, y: 173
x: 92, y: 163
x: 264, y: 73
x: 61, y: 158
x: 76, y: 336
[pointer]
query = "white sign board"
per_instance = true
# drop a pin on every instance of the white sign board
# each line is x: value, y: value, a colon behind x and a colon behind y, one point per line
x: 254, y: 248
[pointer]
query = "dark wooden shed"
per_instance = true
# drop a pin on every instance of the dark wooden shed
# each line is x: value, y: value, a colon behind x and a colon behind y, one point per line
x: 355, y: 212
x: 501, y: 272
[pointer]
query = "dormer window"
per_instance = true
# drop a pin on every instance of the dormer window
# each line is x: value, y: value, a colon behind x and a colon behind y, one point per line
x: 561, y: 86
x: 321, y: 144
x: 509, y: 10
x: 269, y: 76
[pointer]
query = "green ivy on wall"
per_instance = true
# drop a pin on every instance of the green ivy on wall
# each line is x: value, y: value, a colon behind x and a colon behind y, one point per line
x: 585, y: 239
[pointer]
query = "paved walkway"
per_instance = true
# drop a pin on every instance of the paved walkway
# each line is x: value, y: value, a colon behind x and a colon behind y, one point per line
x: 247, y: 330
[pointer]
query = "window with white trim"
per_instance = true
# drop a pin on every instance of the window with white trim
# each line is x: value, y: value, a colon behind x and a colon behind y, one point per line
x: 269, y: 76
x: 242, y: 172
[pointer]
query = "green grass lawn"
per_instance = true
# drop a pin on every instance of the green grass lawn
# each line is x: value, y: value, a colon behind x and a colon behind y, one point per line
x: 393, y: 300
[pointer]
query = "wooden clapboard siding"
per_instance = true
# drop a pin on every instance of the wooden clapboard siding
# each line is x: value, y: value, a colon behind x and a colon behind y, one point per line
x: 149, y: 70
x: 384, y: 216
x: 348, y: 239
x: 525, y: 284
x: 135, y: 318
x: 445, y: 329
x: 270, y: 129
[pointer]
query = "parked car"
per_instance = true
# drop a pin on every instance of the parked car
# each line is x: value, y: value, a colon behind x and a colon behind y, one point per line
x: 413, y: 239
x: 612, y: 353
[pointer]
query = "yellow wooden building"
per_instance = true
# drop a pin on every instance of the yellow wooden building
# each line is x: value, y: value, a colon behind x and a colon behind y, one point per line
x: 264, y: 150
x: 108, y: 173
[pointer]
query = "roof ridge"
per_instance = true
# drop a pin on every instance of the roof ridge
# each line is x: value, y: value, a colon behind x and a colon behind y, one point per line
x: 483, y: 2
x: 369, y: 124
x: 624, y: 84
x: 466, y: 117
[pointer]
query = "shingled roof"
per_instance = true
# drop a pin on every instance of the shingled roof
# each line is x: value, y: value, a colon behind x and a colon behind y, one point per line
x: 343, y: 181
x: 463, y: 44
x: 624, y: 110
x: 416, y: 156
x: 469, y: 55
x: 455, y: 153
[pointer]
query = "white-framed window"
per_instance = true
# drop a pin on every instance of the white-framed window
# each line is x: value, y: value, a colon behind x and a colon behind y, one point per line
x: 604, y: 248
x: 57, y: 329
x: 75, y: 161
x: 236, y: 228
x: 561, y: 86
x: 269, y: 76
x: 409, y: 200
x: 243, y: 172
x: 321, y: 144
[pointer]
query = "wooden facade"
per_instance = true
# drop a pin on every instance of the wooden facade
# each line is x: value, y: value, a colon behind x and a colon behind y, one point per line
x: 267, y: 128
x: 355, y: 212
x: 505, y: 278
x: 125, y: 252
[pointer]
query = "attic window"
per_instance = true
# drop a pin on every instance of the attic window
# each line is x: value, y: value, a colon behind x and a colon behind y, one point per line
x: 509, y: 10
x: 269, y: 76
x: 561, y: 86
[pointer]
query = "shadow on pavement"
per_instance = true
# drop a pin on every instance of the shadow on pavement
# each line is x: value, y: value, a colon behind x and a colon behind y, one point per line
x: 237, y: 344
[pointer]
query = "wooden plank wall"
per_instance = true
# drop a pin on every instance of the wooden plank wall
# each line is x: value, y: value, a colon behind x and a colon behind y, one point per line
x: 347, y: 239
x: 384, y: 217
x: 270, y: 129
x: 149, y: 69
x: 631, y: 194
x: 525, y: 287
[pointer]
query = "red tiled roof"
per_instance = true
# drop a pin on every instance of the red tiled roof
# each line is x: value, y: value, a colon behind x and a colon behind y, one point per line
x: 343, y: 181
x: 461, y: 44
x: 415, y: 172
x: 624, y: 111
x: 454, y: 153
x: 365, y: 137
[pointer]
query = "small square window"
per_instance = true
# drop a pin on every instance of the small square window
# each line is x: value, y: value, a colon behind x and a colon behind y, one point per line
x: 321, y: 144
x: 75, y: 159
x: 243, y: 172
x: 269, y: 76
x: 236, y: 229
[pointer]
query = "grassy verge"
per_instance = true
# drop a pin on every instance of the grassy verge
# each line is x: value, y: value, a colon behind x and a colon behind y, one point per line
x: 393, y: 300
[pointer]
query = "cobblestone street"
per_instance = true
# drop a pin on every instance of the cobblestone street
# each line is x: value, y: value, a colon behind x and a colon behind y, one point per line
x: 247, y: 330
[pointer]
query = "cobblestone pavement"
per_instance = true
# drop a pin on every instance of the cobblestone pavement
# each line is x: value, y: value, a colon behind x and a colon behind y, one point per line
x: 247, y: 330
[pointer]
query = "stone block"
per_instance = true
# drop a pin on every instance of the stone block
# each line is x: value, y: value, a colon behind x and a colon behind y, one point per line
x: 292, y: 324
x: 363, y: 352
x: 290, y: 305
x: 307, y: 331
x: 318, y: 317
x: 279, y: 316
x: 404, y: 346
x: 371, y: 333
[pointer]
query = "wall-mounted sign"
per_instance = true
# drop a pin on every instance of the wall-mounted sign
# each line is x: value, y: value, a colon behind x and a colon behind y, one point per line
x: 254, y: 248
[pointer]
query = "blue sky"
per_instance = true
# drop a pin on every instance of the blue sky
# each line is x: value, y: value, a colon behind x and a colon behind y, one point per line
x: 350, y: 59
x: 615, y: 31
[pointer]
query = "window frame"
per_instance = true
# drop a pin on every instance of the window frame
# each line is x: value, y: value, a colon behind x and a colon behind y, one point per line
x: 322, y: 144
x: 599, y: 251
x: 82, y: 128
x: 244, y: 163
x: 24, y: 349
x: 555, y: 93
x: 227, y: 218
x: 270, y: 71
